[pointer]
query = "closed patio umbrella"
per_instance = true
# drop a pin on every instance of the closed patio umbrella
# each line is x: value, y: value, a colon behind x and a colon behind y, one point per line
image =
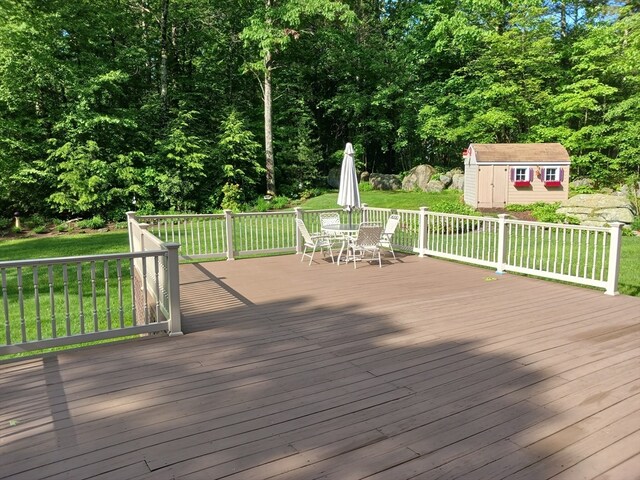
x: 348, y: 193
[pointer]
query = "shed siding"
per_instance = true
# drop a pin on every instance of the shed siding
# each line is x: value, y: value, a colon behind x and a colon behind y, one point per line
x: 471, y: 183
x: 538, y: 192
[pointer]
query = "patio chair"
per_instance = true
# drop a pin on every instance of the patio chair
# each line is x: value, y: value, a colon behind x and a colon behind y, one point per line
x: 332, y: 218
x: 367, y: 241
x: 313, y: 241
x: 389, y: 230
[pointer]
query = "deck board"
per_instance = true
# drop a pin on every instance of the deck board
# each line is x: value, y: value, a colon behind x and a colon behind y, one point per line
x: 420, y: 369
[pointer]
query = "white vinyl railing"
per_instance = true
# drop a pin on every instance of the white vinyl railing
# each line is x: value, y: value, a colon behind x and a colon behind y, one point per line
x: 62, y: 301
x: 578, y: 254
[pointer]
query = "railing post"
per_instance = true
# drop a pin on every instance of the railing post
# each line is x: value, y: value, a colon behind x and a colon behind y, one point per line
x: 422, y: 231
x: 173, y: 275
x: 228, y: 220
x: 298, y: 213
x: 365, y: 212
x: 614, y: 258
x: 131, y: 217
x: 502, y: 240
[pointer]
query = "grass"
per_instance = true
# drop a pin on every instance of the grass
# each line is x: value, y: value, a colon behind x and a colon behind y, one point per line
x: 39, y: 314
x: 386, y: 199
x: 629, y: 280
x: 64, y: 245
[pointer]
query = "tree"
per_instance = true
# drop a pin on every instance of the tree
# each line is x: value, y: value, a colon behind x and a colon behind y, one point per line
x: 268, y: 33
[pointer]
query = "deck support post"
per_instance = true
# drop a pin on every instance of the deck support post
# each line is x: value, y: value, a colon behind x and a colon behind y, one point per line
x: 502, y: 241
x: 614, y: 258
x: 173, y: 284
x: 422, y: 232
x: 228, y: 219
x: 131, y: 217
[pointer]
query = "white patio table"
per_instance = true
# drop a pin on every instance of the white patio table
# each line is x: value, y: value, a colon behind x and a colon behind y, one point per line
x: 343, y: 231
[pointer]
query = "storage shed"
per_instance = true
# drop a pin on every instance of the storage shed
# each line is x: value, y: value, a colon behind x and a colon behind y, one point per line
x: 499, y: 174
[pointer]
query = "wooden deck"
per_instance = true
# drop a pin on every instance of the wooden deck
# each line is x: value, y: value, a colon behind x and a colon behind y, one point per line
x: 423, y: 369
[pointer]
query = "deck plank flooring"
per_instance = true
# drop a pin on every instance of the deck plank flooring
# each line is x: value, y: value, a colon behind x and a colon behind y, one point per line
x: 422, y: 369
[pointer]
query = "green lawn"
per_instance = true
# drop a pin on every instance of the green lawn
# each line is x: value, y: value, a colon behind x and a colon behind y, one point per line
x: 65, y: 245
x: 53, y: 304
x: 386, y: 199
x: 629, y: 280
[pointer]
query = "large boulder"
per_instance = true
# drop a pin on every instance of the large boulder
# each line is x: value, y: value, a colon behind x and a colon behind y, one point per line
x: 383, y: 181
x: 434, y: 186
x: 418, y: 177
x: 446, y: 179
x: 457, y: 181
x: 598, y: 209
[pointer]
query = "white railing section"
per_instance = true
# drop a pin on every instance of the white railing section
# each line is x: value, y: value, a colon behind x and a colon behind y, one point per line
x: 199, y: 235
x: 578, y: 254
x: 157, y: 279
x: 585, y: 255
x: 62, y: 301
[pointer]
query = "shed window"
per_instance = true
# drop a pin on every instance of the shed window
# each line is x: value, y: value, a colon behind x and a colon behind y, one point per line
x: 552, y: 176
x: 521, y: 176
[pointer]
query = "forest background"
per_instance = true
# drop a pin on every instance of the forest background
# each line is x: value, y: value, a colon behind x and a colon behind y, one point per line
x: 193, y: 105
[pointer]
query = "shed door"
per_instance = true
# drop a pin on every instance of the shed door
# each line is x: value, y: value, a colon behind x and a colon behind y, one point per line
x: 500, y: 176
x: 492, y: 186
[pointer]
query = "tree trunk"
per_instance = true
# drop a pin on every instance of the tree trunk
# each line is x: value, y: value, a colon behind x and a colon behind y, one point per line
x: 268, y: 127
x: 164, y: 55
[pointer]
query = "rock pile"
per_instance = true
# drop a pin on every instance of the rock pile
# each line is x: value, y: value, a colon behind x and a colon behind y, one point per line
x: 598, y: 209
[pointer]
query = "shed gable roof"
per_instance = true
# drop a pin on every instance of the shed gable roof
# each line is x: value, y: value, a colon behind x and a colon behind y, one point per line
x: 520, y: 152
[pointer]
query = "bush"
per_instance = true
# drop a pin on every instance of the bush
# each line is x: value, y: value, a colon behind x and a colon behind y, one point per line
x: 40, y: 229
x: 588, y: 189
x: 546, y: 212
x: 516, y: 207
x: 365, y: 186
x: 635, y: 225
x: 93, y: 223
x: 5, y: 223
x: 35, y: 221
x: 453, y: 207
x: 63, y: 227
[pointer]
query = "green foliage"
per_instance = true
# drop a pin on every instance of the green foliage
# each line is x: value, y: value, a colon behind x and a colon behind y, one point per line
x: 449, y: 206
x: 635, y: 225
x: 232, y: 197
x: 63, y: 227
x: 546, y: 212
x: 580, y: 189
x: 365, y: 187
x: 5, y: 223
x: 237, y: 154
x: 178, y: 168
x: 88, y: 121
x: 34, y: 221
x: 40, y: 229
x: 516, y: 207
x: 93, y: 223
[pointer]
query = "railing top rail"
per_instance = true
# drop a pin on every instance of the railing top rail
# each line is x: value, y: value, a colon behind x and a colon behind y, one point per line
x: 80, y: 259
x: 461, y: 216
x: 259, y: 214
x: 180, y: 215
x: 568, y: 226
